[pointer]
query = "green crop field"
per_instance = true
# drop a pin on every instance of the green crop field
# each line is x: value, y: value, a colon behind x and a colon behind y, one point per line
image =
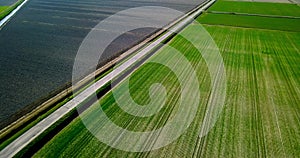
x: 2, y: 8
x: 257, y: 8
x: 283, y: 24
x: 261, y: 116
x: 263, y: 15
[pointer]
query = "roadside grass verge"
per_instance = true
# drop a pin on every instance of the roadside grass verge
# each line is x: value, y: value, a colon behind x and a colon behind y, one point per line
x: 257, y: 8
x: 2, y: 8
x: 260, y: 119
x: 4, y: 12
x: 283, y: 24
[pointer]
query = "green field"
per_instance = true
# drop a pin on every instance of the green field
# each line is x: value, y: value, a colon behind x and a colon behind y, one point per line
x: 263, y: 15
x: 257, y: 8
x: 2, y: 8
x: 283, y: 24
x: 261, y: 116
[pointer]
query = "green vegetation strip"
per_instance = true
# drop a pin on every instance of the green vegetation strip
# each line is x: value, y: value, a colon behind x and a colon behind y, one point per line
x: 2, y: 8
x: 257, y: 8
x: 8, y: 9
x: 283, y: 24
x: 261, y: 117
x: 271, y: 16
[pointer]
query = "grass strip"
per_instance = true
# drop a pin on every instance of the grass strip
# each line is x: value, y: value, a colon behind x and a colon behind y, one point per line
x: 2, y: 8
x: 4, y: 12
x: 257, y: 8
x: 271, y: 23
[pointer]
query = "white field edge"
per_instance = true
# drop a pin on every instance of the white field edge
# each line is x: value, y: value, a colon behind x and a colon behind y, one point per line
x: 21, y: 142
x: 11, y: 14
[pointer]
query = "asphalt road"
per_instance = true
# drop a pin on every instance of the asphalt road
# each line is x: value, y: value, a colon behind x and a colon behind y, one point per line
x: 38, y: 129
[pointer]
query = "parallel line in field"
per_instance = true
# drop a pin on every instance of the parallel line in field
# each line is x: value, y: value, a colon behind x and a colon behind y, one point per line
x: 271, y: 101
x: 202, y: 142
x: 260, y: 133
x: 62, y: 11
x: 62, y: 25
x: 249, y: 14
x: 56, y: 25
x: 73, y: 2
x: 244, y: 27
x: 289, y: 84
x: 290, y: 87
x: 161, y: 121
x: 72, y: 18
x: 240, y: 124
x: 65, y: 3
x: 227, y: 117
x: 79, y: 9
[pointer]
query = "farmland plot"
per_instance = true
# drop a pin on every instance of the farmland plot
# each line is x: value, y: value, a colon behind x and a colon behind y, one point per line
x: 261, y: 114
x: 284, y: 17
x: 2, y: 8
x: 274, y: 9
x: 261, y: 117
x: 281, y: 24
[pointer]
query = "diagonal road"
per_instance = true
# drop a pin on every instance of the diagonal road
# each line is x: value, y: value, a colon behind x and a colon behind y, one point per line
x: 22, y: 141
x: 10, y: 15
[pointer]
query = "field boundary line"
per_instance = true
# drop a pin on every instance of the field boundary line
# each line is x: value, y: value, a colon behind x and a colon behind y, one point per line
x: 245, y: 27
